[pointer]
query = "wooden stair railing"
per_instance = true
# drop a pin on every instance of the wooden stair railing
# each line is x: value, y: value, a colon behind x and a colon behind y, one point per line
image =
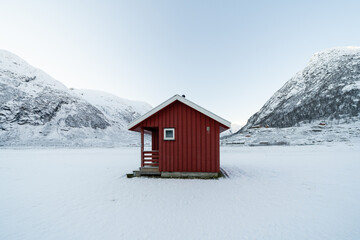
x: 150, y: 158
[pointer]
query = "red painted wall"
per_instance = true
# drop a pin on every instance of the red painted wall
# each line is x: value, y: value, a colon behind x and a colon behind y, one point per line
x: 195, y: 149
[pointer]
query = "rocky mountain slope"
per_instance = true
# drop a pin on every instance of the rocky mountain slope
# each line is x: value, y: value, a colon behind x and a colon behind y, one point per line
x: 327, y: 89
x: 36, y: 109
x: 319, y: 104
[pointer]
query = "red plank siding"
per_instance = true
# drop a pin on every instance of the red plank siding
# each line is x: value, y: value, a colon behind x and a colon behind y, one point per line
x: 194, y: 149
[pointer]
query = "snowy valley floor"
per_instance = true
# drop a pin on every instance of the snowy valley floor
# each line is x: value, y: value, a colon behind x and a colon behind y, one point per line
x: 274, y: 192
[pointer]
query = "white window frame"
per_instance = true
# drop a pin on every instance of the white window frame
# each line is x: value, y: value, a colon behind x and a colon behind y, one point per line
x: 169, y: 139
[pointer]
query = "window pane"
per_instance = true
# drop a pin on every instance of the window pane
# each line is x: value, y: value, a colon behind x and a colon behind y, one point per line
x: 169, y: 134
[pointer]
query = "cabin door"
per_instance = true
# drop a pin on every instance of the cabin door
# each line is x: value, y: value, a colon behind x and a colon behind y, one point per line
x: 155, y: 146
x: 155, y: 139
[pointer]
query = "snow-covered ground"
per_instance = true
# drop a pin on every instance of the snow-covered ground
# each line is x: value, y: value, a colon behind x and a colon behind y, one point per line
x: 273, y: 192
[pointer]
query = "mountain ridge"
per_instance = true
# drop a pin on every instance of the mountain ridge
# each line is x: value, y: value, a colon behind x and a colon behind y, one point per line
x: 320, y: 104
x: 327, y: 88
x: 36, y: 109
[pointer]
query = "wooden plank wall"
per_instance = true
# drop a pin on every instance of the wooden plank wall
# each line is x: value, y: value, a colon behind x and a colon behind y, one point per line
x: 195, y: 149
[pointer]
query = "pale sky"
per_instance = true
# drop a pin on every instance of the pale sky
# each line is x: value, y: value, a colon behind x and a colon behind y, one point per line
x: 227, y: 56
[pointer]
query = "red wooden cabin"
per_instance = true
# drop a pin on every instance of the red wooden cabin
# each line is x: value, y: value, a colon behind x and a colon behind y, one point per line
x: 185, y: 139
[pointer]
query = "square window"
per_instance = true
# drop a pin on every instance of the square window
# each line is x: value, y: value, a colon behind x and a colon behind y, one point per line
x: 169, y: 133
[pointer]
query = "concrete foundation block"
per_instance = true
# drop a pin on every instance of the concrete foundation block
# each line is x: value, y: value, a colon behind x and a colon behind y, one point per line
x: 189, y: 174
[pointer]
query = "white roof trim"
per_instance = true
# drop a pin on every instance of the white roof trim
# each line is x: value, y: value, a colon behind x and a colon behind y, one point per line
x: 185, y: 101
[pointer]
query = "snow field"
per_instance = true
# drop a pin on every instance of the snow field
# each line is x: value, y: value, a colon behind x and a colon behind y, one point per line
x: 274, y: 192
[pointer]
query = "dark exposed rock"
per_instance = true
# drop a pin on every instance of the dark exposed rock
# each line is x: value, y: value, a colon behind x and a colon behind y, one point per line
x: 87, y: 116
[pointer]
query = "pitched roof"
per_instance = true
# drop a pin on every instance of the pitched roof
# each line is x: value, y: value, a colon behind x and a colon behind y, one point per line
x: 186, y: 102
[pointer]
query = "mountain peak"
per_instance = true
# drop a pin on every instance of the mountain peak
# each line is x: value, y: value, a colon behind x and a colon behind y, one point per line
x: 328, y: 88
x: 36, y: 109
x: 18, y: 73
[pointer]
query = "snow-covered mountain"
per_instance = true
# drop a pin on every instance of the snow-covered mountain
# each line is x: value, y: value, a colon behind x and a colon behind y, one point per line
x: 233, y: 129
x: 36, y: 109
x: 328, y: 88
x: 319, y: 104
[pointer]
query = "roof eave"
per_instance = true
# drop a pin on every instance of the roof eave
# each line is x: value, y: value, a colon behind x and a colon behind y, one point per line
x: 186, y: 102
